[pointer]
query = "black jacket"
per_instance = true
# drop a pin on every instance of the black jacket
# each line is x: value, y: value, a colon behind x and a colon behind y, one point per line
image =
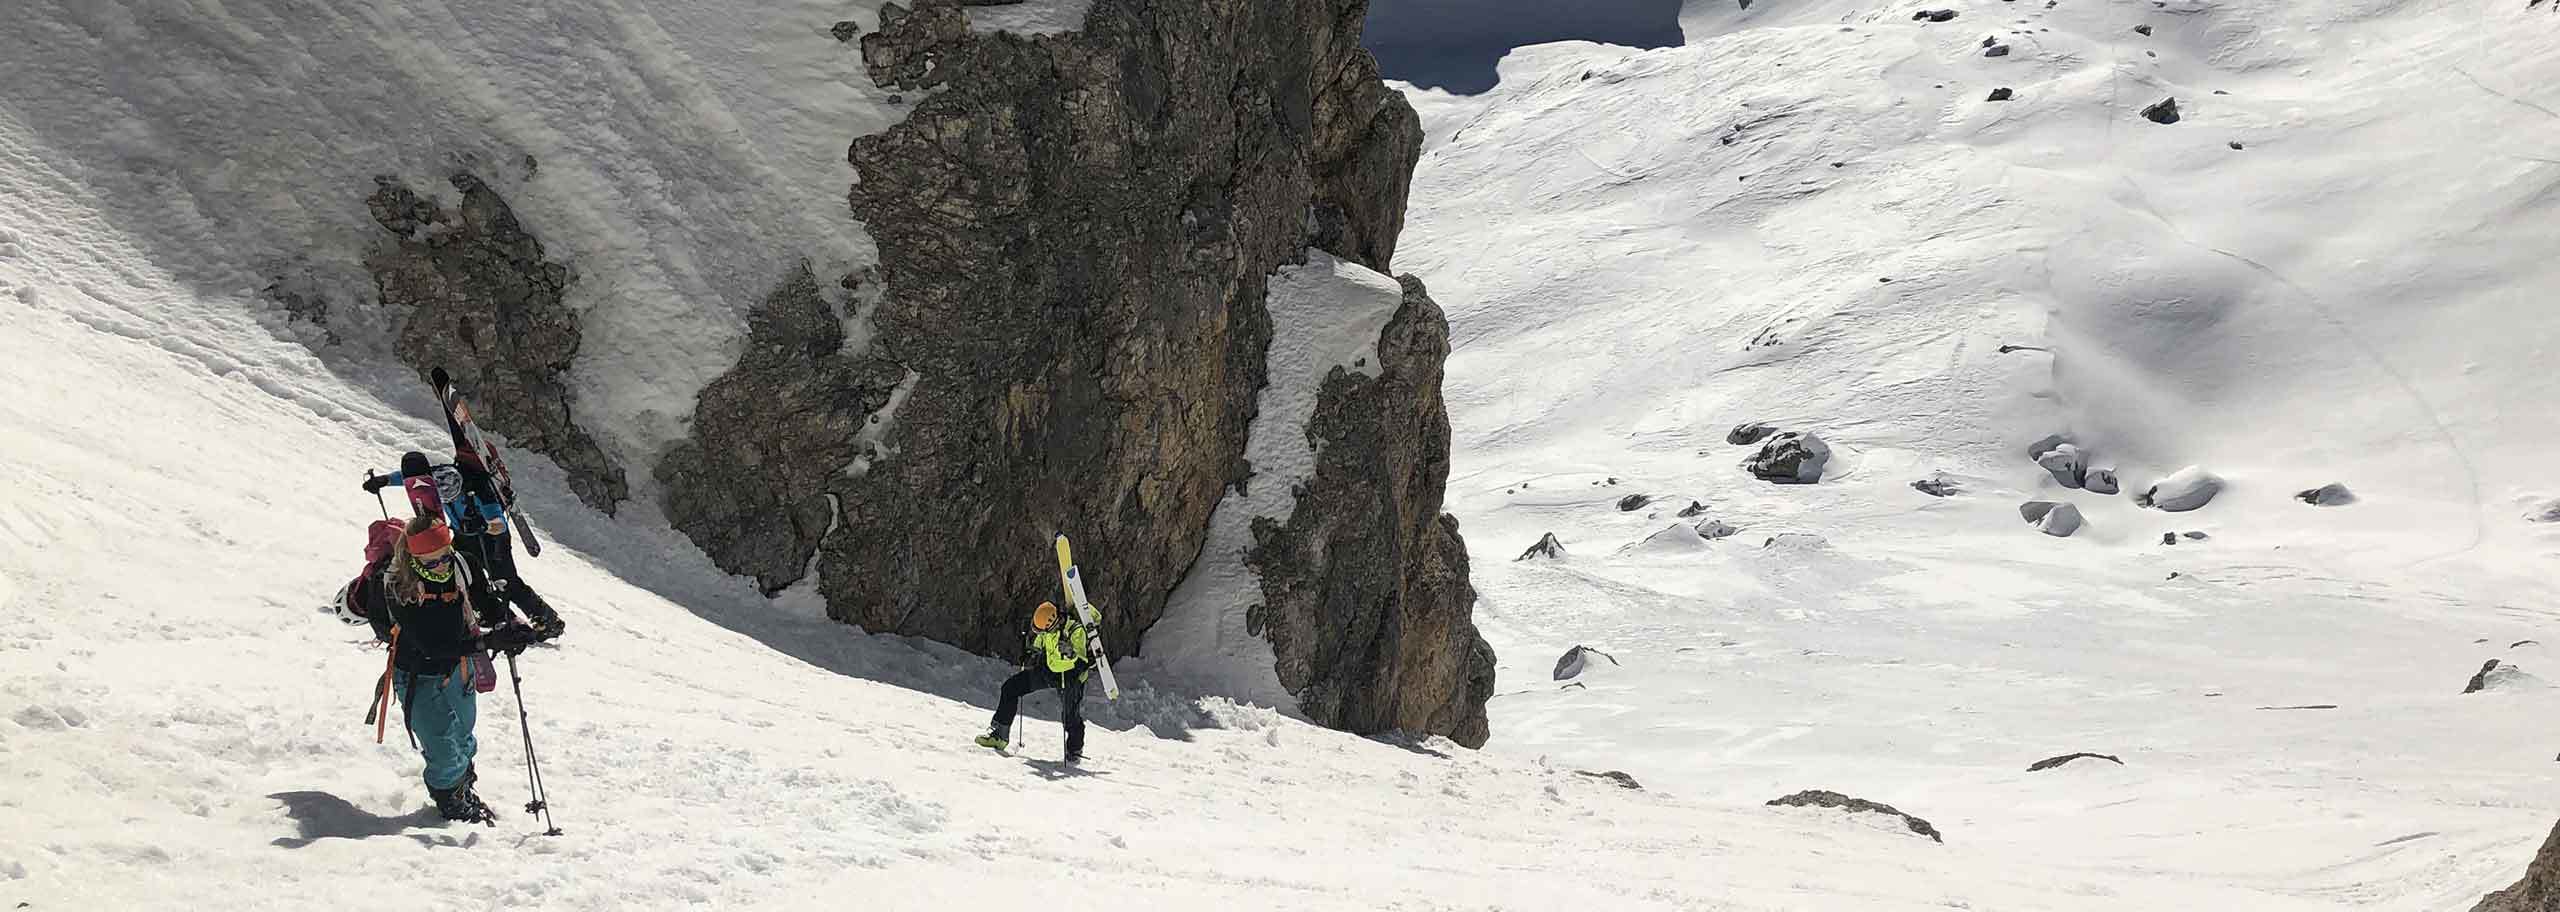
x: 436, y: 631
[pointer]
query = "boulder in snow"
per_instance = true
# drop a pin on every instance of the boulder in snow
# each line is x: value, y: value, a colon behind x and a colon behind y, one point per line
x: 1794, y: 457
x: 2002, y: 94
x: 1938, y: 485
x: 2101, y: 481
x: 1935, y: 15
x: 2164, y: 111
x: 2051, y: 762
x: 845, y: 30
x: 1576, y: 660
x: 1547, y: 547
x: 1714, y: 529
x: 2059, y: 520
x: 2186, y: 489
x: 2068, y: 465
x: 1748, y: 433
x: 2545, y: 512
x: 1633, y: 502
x: 2332, y: 494
x: 1997, y: 50
x: 2143, y: 30
x: 2497, y: 675
x: 1694, y: 508
x: 1819, y: 798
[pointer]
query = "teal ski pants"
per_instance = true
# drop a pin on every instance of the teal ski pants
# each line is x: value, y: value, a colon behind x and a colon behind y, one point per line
x: 441, y: 710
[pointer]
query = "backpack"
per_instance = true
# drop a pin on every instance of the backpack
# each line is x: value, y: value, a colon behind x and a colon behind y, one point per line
x: 360, y: 600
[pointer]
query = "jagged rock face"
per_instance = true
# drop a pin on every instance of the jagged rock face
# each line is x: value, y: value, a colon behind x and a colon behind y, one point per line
x: 481, y: 300
x: 1365, y: 593
x: 2539, y: 891
x: 1075, y: 234
x: 784, y: 420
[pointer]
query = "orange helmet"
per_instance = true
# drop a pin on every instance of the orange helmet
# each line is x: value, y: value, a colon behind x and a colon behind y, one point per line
x: 1044, y: 617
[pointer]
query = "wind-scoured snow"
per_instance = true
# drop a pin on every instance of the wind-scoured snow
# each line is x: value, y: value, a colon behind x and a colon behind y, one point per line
x: 1325, y: 315
x: 682, y: 158
x: 2334, y: 268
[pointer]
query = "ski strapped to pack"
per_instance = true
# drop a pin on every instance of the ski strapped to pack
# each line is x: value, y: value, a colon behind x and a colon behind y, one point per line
x: 1073, y: 582
x: 458, y: 411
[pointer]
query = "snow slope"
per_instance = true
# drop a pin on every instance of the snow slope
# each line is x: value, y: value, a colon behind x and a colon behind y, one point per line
x: 181, y: 728
x: 1813, y: 216
x: 682, y: 158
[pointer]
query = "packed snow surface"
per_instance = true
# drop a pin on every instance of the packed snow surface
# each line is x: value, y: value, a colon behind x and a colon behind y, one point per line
x: 2335, y: 267
x: 1637, y: 251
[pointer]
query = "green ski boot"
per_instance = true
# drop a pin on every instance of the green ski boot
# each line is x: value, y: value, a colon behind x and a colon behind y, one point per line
x: 991, y: 741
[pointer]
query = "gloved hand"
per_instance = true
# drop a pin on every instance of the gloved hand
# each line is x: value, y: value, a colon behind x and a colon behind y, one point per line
x: 374, y: 483
x: 510, y: 638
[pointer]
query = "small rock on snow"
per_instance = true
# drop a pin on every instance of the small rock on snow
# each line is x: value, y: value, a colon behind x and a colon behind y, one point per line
x: 1575, y: 660
x: 1938, y: 486
x: 845, y: 30
x: 2164, y: 111
x: 1694, y: 508
x: 1750, y: 432
x: 1633, y: 502
x: 2059, y: 520
x: 2051, y: 762
x: 2332, y: 494
x: 1622, y: 780
x: 2001, y: 94
x: 1997, y: 50
x: 2144, y: 30
x: 1547, y: 547
x: 1714, y: 529
x: 1936, y: 15
x: 1819, y: 798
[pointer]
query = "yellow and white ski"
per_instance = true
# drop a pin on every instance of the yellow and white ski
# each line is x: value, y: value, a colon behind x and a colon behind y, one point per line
x: 1073, y: 582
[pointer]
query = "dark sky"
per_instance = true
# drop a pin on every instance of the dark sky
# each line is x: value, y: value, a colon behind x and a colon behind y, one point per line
x: 1453, y: 44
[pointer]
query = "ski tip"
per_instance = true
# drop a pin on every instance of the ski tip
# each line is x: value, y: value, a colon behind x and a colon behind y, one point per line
x: 437, y: 376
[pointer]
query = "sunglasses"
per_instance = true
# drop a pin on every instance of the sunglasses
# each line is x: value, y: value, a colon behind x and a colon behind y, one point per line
x: 439, y: 559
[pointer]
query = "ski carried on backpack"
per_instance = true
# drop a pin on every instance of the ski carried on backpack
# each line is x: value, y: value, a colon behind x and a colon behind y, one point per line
x: 1073, y: 581
x: 450, y: 398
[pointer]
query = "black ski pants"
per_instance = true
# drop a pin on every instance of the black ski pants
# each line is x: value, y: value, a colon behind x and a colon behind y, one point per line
x: 493, y: 564
x: 1070, y: 686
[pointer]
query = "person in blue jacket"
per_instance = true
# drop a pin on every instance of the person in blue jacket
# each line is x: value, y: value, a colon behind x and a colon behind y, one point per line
x: 473, y: 506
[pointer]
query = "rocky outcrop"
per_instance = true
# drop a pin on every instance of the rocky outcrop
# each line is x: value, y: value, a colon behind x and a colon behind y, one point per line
x: 2539, y: 891
x: 752, y: 483
x: 478, y: 297
x: 1365, y: 594
x: 1076, y: 233
x: 1547, y: 548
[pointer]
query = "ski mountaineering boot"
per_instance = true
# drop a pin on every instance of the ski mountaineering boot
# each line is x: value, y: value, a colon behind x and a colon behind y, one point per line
x: 460, y: 804
x: 992, y: 740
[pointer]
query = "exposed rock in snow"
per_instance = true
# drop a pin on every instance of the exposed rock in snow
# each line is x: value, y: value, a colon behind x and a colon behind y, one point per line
x: 1694, y: 508
x: 1794, y: 457
x: 1620, y: 779
x: 2051, y: 762
x: 1996, y: 50
x: 2002, y: 93
x: 2049, y: 442
x: 1819, y: 798
x: 2538, y: 891
x: 1936, y: 15
x: 2101, y: 481
x: 2164, y: 111
x: 2186, y: 489
x: 1794, y: 541
x: 2143, y: 30
x: 1677, y: 538
x: 2195, y: 536
x: 1633, y: 502
x: 2068, y: 465
x: 1714, y: 529
x: 1938, y: 485
x: 2059, y: 520
x: 1748, y: 433
x: 2499, y: 675
x: 1572, y: 663
x: 480, y: 297
x: 2545, y: 512
x: 1547, y: 547
x: 2332, y: 494
x: 845, y: 30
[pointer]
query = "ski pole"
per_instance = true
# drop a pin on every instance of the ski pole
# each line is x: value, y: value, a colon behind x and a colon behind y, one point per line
x: 541, y: 803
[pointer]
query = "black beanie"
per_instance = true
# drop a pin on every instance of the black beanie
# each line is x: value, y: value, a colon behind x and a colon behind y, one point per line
x: 413, y: 464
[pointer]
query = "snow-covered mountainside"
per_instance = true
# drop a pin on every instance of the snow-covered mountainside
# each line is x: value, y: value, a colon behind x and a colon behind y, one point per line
x: 1812, y: 216
x: 1935, y: 244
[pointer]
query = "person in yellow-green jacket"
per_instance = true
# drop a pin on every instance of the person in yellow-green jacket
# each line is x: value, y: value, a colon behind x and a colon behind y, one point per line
x: 1060, y: 657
